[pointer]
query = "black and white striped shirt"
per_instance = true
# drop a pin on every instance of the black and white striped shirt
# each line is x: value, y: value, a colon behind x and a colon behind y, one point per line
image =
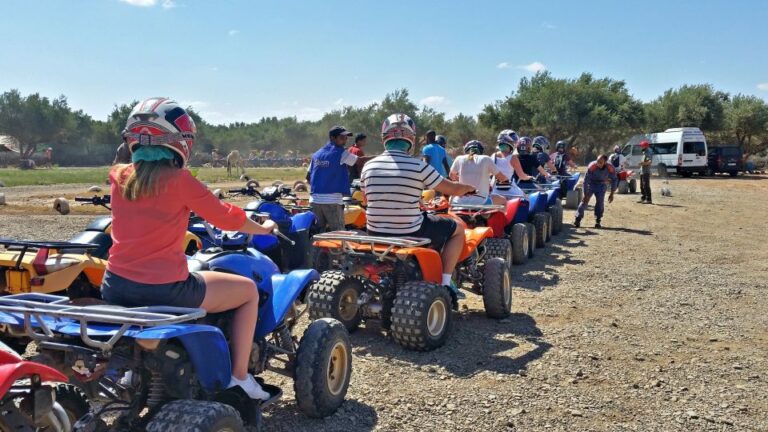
x: 392, y: 183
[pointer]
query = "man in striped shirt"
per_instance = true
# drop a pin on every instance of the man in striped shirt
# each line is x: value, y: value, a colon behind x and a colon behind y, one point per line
x: 393, y: 182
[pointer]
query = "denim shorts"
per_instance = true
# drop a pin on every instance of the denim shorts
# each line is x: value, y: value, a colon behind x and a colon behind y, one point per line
x: 120, y: 291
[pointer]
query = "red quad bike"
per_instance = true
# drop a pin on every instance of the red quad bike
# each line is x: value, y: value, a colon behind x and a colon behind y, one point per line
x: 627, y: 182
x: 510, y: 240
x: 397, y: 280
x: 34, y: 397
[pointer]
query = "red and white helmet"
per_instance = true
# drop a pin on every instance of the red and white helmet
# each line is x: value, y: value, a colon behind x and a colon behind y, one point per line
x: 161, y: 121
x: 398, y: 126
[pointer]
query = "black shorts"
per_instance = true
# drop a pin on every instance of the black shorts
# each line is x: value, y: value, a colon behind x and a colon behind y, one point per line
x: 120, y: 291
x: 437, y: 229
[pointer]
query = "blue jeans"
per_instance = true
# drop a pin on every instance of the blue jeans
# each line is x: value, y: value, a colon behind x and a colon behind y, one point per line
x: 598, y: 191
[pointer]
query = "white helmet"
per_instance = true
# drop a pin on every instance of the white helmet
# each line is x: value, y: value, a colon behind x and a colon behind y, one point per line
x: 161, y: 121
x: 398, y: 126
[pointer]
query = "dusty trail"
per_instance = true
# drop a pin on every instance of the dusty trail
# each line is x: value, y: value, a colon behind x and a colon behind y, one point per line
x: 656, y: 322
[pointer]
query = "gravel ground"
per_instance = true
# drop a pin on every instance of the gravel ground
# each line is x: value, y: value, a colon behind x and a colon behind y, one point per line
x: 655, y: 323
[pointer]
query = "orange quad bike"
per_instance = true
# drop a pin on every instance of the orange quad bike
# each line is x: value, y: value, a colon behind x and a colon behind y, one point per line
x: 397, y: 280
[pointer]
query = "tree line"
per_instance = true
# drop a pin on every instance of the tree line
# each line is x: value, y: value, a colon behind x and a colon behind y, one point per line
x: 591, y: 113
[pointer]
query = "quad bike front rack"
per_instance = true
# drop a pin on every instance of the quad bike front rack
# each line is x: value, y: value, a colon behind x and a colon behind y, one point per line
x: 345, y: 237
x: 37, y: 306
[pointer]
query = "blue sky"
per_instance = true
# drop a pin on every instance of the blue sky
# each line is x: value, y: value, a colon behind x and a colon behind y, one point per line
x: 239, y: 60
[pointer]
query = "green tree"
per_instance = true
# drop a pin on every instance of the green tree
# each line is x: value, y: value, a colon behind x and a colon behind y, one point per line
x: 690, y: 105
x: 34, y: 120
x: 746, y: 118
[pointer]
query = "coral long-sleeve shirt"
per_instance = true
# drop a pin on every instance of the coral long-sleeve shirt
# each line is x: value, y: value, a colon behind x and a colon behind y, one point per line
x: 148, y: 233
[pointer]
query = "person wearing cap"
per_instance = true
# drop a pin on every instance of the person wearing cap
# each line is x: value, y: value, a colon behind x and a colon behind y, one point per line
x: 600, y: 174
x: 645, y: 173
x: 435, y: 155
x: 361, y: 140
x: 328, y: 176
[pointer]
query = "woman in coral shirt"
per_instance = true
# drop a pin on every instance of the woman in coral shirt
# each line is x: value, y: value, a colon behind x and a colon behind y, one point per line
x: 151, y: 201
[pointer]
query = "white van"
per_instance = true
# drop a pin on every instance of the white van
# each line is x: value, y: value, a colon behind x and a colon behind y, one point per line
x: 676, y: 150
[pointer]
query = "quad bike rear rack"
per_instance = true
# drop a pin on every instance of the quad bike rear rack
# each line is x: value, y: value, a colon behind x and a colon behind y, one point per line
x: 478, y: 207
x: 58, y: 310
x: 23, y: 246
x: 351, y: 236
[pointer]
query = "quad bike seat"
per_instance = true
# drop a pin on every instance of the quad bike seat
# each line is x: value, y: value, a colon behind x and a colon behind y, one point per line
x: 94, y: 237
x: 99, y: 224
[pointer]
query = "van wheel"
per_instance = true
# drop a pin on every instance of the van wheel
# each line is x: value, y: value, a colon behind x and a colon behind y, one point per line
x: 687, y: 174
x: 709, y: 172
x: 733, y: 173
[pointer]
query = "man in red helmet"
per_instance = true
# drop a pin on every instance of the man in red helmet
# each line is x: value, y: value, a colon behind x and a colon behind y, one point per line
x: 645, y: 173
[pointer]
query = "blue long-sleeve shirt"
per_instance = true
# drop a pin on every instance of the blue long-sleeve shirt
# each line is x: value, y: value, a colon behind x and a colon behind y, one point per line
x: 601, y: 176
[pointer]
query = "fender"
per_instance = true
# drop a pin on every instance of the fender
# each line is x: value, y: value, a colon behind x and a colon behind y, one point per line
x: 523, y: 211
x: 285, y: 288
x: 497, y: 221
x: 255, y: 266
x: 302, y: 221
x: 538, y: 202
x: 276, y: 212
x: 552, y: 197
x: 13, y: 368
x: 207, y: 348
x: 472, y: 239
x: 573, y: 181
x: 511, y: 210
x: 429, y: 261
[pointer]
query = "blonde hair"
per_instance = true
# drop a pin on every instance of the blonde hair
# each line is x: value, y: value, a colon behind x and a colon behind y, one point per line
x: 145, y: 179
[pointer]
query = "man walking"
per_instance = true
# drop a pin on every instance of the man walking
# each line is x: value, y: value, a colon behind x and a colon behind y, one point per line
x: 645, y: 173
x: 599, y: 175
x: 329, y: 179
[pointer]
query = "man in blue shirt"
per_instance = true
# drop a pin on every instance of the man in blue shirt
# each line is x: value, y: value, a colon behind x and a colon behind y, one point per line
x: 329, y: 179
x: 435, y: 155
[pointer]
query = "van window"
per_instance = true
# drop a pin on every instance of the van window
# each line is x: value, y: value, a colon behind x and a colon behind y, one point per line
x: 627, y: 149
x: 664, y: 148
x: 695, y: 147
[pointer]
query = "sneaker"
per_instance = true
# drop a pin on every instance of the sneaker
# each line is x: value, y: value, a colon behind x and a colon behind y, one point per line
x: 455, y: 289
x: 250, y: 386
x: 597, y: 224
x: 642, y: 201
x: 577, y: 222
x: 648, y: 202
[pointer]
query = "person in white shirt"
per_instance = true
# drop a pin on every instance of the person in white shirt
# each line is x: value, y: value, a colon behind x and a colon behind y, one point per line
x: 476, y: 169
x: 508, y: 164
x: 617, y: 159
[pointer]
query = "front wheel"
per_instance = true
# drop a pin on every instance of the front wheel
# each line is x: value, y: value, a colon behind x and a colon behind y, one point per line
x: 572, y: 199
x: 540, y: 222
x: 323, y: 368
x: 195, y: 415
x: 73, y: 401
x: 531, y: 231
x: 335, y: 296
x: 499, y: 248
x: 421, y: 316
x: 557, y: 219
x: 623, y: 187
x: 633, y: 186
x: 497, y: 289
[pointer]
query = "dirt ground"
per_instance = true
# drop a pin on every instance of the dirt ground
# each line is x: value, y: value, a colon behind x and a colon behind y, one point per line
x: 657, y: 322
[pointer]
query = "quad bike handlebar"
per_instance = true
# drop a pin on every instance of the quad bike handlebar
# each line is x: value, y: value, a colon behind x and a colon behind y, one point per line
x: 104, y: 200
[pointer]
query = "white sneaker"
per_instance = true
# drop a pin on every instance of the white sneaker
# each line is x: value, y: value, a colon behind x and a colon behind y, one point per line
x: 250, y: 386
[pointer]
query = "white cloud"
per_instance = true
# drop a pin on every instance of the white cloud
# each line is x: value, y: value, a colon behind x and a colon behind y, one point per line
x: 140, y: 3
x: 339, y: 102
x: 534, y: 67
x: 214, y: 68
x: 166, y: 4
x: 763, y: 86
x: 233, y: 32
x: 503, y: 65
x: 548, y: 25
x: 433, y: 101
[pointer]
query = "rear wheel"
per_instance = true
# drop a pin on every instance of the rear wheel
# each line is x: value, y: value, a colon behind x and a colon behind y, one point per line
x: 540, y: 224
x: 557, y: 219
x: 196, y: 415
x: 572, y: 199
x: 549, y: 226
x: 519, y: 243
x: 531, y: 230
x: 335, y: 296
x: 497, y: 289
x: 499, y: 248
x: 733, y: 173
x: 633, y: 186
x: 709, y: 172
x: 73, y: 401
x: 686, y: 174
x: 623, y: 187
x: 421, y: 316
x: 323, y: 368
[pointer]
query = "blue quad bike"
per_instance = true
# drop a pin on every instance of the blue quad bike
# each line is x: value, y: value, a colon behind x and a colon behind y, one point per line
x: 541, y: 213
x: 166, y: 368
x: 290, y: 251
x: 569, y: 191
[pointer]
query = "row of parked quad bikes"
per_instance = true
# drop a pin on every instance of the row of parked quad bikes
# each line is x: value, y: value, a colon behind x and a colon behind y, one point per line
x: 165, y: 368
